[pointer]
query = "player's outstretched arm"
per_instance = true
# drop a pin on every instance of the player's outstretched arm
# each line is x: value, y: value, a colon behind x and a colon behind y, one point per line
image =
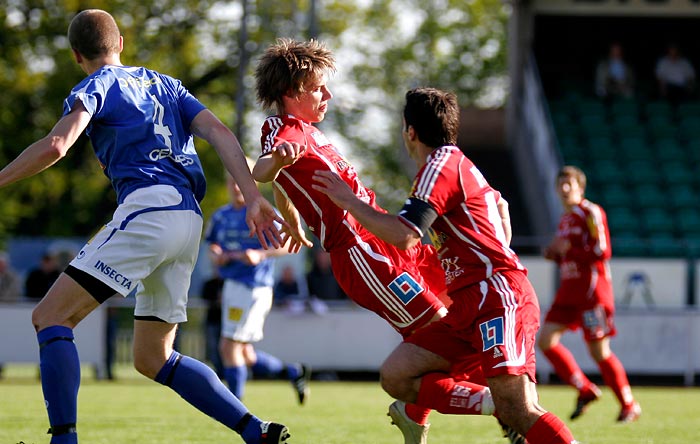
x: 48, y: 150
x: 387, y: 227
x: 260, y: 215
x: 269, y: 166
x: 294, y: 232
x: 505, y: 218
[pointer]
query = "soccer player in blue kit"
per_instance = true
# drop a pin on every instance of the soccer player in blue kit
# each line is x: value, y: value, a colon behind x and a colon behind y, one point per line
x: 141, y: 125
x: 248, y: 272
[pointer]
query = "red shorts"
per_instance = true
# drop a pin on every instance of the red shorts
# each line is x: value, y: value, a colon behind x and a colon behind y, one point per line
x: 494, y: 322
x: 395, y: 284
x: 596, y: 321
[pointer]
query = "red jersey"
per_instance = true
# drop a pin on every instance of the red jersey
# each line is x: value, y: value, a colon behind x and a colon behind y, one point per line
x: 584, y: 270
x: 497, y: 319
x: 333, y: 226
x: 400, y: 286
x: 468, y: 232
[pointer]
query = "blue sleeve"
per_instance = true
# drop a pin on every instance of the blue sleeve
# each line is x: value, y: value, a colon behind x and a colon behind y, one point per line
x: 91, y: 92
x: 189, y: 104
x: 212, y: 229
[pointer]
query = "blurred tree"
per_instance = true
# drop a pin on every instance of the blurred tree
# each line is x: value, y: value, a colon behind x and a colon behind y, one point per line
x: 383, y: 47
x: 37, y: 71
x: 389, y: 46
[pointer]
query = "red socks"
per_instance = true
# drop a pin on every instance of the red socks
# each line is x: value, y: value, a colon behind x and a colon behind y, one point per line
x: 549, y: 430
x: 417, y: 413
x: 440, y: 392
x: 566, y: 367
x: 615, y: 377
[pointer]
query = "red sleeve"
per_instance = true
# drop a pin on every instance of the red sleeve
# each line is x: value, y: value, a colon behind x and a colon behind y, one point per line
x: 438, y: 184
x: 277, y: 129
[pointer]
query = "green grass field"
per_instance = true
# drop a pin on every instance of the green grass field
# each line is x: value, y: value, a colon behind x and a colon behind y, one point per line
x: 135, y: 410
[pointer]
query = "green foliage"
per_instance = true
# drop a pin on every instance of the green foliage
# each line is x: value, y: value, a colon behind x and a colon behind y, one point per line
x: 449, y: 44
x: 383, y: 48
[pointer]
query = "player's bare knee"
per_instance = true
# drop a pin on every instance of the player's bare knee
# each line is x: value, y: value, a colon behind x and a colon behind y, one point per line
x: 398, y: 386
x: 599, y: 355
x: 546, y: 340
x: 387, y: 382
x: 147, y: 366
x: 141, y: 368
x: 36, y: 321
x: 41, y: 319
x: 390, y: 383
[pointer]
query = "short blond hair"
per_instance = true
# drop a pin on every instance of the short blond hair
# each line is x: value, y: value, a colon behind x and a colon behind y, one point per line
x: 94, y: 33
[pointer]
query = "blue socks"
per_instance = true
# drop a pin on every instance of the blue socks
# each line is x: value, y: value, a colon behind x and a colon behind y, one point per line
x: 192, y: 380
x: 268, y: 365
x: 236, y: 378
x: 199, y: 385
x: 265, y: 366
x: 60, y: 380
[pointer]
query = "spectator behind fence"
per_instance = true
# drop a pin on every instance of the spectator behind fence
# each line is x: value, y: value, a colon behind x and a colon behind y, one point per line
x: 10, y: 287
x: 42, y: 277
x: 211, y: 293
x: 287, y: 291
x: 614, y: 77
x: 320, y: 279
x: 675, y: 75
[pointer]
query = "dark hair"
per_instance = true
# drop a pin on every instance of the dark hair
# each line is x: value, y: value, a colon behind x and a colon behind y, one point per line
x: 574, y: 172
x: 288, y: 66
x: 94, y: 33
x: 434, y: 115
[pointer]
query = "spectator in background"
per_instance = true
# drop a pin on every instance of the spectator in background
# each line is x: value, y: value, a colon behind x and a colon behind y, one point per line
x: 585, y: 298
x: 287, y: 292
x: 42, y: 277
x: 320, y: 279
x: 111, y: 329
x: 675, y: 75
x: 614, y: 77
x: 211, y: 293
x: 10, y: 286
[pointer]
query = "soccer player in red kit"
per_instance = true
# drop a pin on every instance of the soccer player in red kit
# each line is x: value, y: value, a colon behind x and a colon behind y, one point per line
x: 399, y: 285
x: 372, y: 273
x: 584, y: 299
x: 494, y: 314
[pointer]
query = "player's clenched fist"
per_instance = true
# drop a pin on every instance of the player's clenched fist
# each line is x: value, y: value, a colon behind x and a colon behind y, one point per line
x: 288, y: 152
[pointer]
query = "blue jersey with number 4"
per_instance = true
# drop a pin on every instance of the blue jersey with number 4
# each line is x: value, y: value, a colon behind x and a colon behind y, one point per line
x: 140, y: 128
